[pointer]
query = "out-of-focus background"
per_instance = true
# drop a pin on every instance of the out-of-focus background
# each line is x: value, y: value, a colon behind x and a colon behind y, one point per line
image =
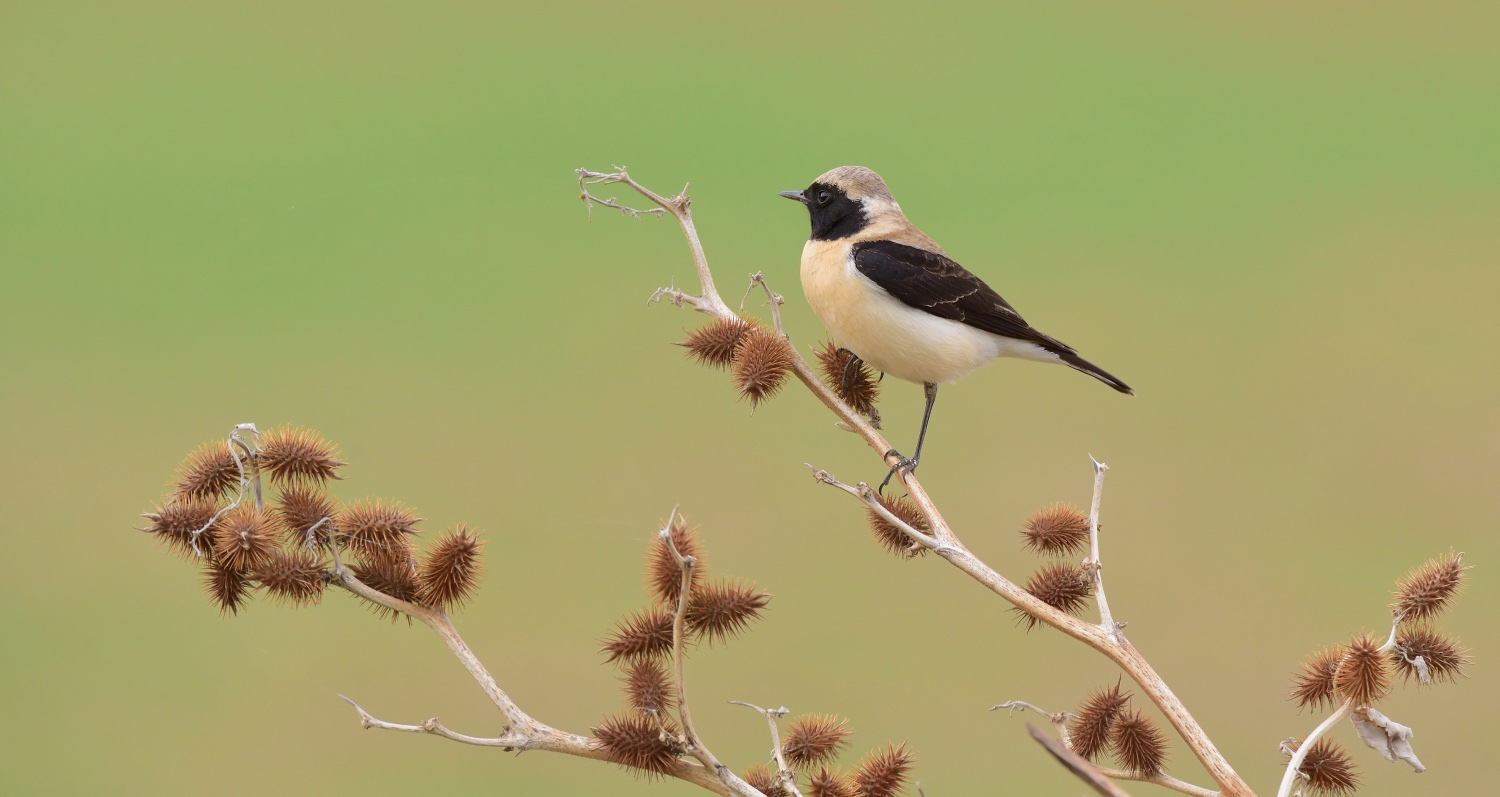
x: 1281, y: 224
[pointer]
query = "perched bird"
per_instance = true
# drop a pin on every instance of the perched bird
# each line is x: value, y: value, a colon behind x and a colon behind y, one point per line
x: 895, y: 299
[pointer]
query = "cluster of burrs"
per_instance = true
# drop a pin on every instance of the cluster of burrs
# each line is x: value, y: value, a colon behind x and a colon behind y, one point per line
x: 1351, y: 677
x: 255, y: 513
x: 648, y: 647
x: 760, y: 360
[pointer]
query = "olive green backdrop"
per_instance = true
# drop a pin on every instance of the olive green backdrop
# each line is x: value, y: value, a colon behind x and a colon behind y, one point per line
x: 1281, y: 225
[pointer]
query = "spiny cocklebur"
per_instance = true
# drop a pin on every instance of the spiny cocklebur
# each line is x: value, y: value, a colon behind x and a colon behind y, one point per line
x: 1057, y: 531
x: 286, y: 544
x: 1353, y: 676
x: 891, y: 537
x: 649, y: 737
x: 851, y: 379
x: 759, y: 360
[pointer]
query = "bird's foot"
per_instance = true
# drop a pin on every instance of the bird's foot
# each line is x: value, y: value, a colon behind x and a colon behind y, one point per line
x: 902, y: 464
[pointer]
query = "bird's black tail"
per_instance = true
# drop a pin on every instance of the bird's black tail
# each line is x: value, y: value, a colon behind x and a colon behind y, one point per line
x: 1079, y: 364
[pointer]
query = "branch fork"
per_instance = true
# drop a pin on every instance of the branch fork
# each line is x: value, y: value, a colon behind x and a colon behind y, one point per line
x: 784, y: 773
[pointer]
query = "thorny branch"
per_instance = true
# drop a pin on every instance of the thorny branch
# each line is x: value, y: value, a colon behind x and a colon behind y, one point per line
x: 695, y: 744
x: 1113, y: 645
x: 521, y: 732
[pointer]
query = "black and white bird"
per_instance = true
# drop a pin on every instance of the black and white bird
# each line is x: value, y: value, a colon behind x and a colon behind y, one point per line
x: 893, y: 297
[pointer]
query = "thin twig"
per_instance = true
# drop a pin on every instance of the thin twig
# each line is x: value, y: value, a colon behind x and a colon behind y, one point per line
x: 1094, y: 563
x: 1058, y: 720
x: 509, y: 741
x: 312, y: 531
x: 589, y: 200
x: 772, y: 298
x: 680, y: 207
x: 787, y: 775
x: 234, y: 439
x: 866, y: 494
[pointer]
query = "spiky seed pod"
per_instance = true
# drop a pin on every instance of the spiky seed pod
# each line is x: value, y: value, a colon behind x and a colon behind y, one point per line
x: 762, y: 360
x: 209, y: 472
x: 298, y: 455
x: 1314, y: 686
x: 860, y: 391
x: 1444, y: 658
x: 292, y: 577
x: 814, y: 739
x: 642, y: 635
x: 722, y: 610
x: 401, y: 553
x: 640, y: 743
x: 377, y: 527
x: 1362, y: 675
x: 713, y: 344
x: 243, y: 538
x: 228, y: 589
x: 1064, y: 586
x: 173, y: 523
x: 831, y: 783
x: 302, y: 506
x: 888, y: 535
x: 883, y: 773
x: 648, y: 687
x: 396, y: 579
x: 1095, y: 720
x: 1425, y: 592
x: 1057, y: 530
x: 762, y: 779
x: 1328, y: 769
x: 663, y: 575
x: 449, y: 572
x: 1138, y: 743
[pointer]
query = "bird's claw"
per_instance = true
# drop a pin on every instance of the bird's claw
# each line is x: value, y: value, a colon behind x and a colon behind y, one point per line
x: 902, y: 464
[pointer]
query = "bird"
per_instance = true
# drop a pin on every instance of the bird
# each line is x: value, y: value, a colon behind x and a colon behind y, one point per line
x: 895, y: 300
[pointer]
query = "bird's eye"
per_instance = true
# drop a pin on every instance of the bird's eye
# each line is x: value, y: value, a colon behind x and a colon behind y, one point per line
x: 823, y: 197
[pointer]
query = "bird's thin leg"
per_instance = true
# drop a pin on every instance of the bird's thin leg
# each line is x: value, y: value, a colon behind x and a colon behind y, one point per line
x: 909, y: 465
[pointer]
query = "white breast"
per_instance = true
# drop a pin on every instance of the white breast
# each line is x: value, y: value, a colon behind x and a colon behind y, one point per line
x: 891, y: 336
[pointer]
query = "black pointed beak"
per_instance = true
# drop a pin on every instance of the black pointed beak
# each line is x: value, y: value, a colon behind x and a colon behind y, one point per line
x: 795, y: 195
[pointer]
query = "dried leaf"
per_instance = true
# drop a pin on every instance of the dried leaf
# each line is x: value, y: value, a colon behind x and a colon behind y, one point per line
x: 1389, y: 738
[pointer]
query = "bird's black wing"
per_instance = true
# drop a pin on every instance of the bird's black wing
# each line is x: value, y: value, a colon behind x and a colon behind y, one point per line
x: 935, y: 284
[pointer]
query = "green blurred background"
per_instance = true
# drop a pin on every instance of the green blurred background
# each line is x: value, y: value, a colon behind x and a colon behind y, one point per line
x: 1281, y: 224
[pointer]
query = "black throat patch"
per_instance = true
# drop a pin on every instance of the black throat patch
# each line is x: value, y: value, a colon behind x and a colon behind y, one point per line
x: 836, y: 217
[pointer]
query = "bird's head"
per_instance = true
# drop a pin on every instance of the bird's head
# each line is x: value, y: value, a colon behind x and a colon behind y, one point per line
x: 845, y: 202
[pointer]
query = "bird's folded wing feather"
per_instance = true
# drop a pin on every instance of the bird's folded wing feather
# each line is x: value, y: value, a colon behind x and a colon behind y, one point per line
x: 934, y: 283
